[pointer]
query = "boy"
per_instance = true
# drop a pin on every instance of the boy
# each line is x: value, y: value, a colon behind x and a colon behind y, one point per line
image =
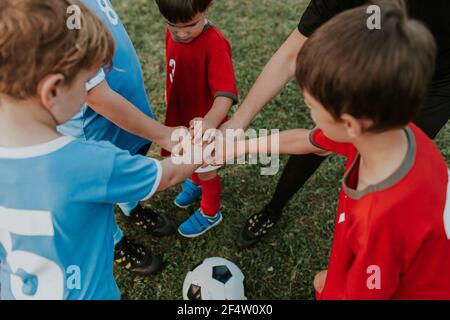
x: 363, y: 88
x: 280, y: 69
x: 57, y: 193
x: 200, y: 84
x: 118, y: 111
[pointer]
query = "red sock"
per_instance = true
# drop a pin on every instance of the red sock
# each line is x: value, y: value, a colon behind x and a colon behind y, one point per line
x: 210, y: 204
x: 195, y: 179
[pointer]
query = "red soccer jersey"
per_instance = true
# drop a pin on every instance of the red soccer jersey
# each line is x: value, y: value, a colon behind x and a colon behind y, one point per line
x: 391, y: 241
x: 197, y: 73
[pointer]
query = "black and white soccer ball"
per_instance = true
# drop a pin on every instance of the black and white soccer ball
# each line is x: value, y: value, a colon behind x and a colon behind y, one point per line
x: 214, y: 279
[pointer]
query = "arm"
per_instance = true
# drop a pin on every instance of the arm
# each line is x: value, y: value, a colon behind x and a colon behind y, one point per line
x: 103, y: 100
x: 294, y: 141
x: 137, y: 178
x: 173, y: 174
x: 279, y: 70
x: 213, y: 118
x: 218, y: 112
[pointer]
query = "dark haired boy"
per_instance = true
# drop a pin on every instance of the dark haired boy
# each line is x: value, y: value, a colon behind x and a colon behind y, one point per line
x: 200, y: 84
x: 364, y: 87
x: 281, y: 69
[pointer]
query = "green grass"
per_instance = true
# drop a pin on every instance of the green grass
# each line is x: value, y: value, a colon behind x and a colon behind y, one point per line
x: 283, y: 266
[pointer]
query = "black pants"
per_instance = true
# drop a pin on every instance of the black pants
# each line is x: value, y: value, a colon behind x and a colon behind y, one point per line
x: 299, y: 168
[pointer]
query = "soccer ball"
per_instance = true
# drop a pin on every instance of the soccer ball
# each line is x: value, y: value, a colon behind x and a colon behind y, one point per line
x: 214, y: 279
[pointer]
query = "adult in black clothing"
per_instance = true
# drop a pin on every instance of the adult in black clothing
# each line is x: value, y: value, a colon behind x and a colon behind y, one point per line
x: 281, y: 68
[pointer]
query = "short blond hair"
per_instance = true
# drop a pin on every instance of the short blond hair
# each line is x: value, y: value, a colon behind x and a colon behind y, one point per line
x: 35, y: 41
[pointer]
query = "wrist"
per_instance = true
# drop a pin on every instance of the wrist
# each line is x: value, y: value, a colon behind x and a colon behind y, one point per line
x: 164, y: 133
x: 235, y: 123
x: 209, y: 124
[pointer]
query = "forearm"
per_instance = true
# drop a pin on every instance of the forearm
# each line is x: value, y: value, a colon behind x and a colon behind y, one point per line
x: 103, y: 100
x: 174, y: 174
x: 279, y: 70
x: 218, y: 111
x: 291, y: 142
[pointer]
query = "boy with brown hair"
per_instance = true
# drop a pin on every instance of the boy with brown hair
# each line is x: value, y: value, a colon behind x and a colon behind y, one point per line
x: 280, y: 69
x: 364, y: 87
x: 56, y: 192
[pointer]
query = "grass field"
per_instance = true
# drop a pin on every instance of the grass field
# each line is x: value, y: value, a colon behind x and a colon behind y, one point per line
x: 283, y: 266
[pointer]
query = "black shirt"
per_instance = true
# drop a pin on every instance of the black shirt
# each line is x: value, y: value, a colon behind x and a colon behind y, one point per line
x: 435, y: 14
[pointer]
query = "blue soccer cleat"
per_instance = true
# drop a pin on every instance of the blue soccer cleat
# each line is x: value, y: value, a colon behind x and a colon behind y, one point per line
x: 189, y: 195
x: 198, y: 224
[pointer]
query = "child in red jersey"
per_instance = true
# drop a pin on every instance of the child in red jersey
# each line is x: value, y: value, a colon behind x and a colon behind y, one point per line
x: 364, y: 87
x: 200, y: 84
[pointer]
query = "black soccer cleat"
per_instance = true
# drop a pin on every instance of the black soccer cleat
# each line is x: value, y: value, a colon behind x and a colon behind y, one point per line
x: 154, y: 223
x: 256, y: 227
x: 134, y: 258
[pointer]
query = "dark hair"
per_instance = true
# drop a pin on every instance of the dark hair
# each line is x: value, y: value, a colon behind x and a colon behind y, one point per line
x: 380, y: 74
x: 182, y: 10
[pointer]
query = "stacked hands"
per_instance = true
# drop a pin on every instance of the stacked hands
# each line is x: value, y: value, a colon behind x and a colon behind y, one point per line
x: 203, y: 144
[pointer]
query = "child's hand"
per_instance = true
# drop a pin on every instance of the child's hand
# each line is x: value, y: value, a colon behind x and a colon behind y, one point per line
x: 225, y: 150
x: 215, y: 156
x: 234, y: 126
x: 173, y: 139
x: 201, y: 131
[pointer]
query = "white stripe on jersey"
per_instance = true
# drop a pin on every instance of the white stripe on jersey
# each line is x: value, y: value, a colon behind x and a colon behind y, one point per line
x: 96, y: 80
x: 36, y: 150
x: 447, y: 211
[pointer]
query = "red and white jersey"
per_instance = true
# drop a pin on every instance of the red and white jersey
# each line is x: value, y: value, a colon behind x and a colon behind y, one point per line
x: 391, y: 241
x: 197, y: 73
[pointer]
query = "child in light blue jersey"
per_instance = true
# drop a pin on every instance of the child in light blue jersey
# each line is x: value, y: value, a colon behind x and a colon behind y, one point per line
x: 57, y: 192
x: 118, y: 111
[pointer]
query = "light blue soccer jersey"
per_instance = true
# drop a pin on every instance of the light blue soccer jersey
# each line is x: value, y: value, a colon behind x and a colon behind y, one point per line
x: 125, y: 78
x: 56, y: 216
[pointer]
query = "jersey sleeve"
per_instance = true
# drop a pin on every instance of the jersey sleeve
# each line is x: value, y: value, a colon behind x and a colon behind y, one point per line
x: 221, y: 76
x: 321, y: 141
x: 320, y: 11
x: 133, y: 178
x: 96, y: 80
